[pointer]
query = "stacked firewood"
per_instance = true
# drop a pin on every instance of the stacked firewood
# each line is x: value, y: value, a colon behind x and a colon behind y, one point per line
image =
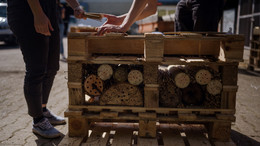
x: 189, y: 86
x: 114, y: 84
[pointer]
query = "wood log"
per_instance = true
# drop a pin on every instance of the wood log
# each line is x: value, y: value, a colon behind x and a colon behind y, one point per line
x: 203, y: 77
x: 93, y: 85
x: 135, y: 77
x: 192, y: 95
x: 122, y: 94
x: 120, y: 74
x: 214, y: 87
x: 105, y: 72
x: 181, y: 79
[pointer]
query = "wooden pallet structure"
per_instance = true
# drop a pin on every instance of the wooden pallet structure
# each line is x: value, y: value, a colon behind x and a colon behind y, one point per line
x: 122, y: 102
x: 254, y: 58
x: 126, y: 134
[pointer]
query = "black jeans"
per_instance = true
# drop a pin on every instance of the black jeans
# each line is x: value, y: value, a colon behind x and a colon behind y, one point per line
x: 198, y: 15
x: 40, y: 53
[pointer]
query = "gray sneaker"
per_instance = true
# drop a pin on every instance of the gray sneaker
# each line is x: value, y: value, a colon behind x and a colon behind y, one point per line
x: 54, y: 119
x: 45, y: 129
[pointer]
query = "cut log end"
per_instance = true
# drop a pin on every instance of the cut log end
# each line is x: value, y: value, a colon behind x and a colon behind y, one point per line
x: 203, y: 77
x: 120, y: 74
x: 182, y: 80
x: 105, y: 72
x: 135, y: 77
x: 93, y: 85
x: 214, y: 87
x: 122, y: 94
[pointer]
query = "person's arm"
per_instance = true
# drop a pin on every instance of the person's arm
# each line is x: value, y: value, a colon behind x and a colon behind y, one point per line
x: 150, y: 8
x: 42, y: 23
x: 78, y: 11
x: 139, y: 10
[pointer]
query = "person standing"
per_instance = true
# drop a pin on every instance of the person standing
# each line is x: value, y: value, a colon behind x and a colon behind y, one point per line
x: 198, y: 15
x: 34, y: 23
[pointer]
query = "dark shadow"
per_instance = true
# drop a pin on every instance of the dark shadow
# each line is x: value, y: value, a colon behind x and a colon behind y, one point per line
x: 243, y: 140
x: 248, y: 72
x: 48, y: 142
x: 8, y: 46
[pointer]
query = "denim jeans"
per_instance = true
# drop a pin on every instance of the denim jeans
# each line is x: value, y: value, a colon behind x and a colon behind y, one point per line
x: 40, y: 52
x: 198, y: 15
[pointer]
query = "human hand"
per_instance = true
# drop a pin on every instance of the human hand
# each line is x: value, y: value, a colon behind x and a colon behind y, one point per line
x: 43, y: 25
x: 79, y: 13
x: 110, y: 28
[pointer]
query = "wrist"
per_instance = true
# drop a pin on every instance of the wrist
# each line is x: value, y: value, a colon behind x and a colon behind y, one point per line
x: 77, y: 8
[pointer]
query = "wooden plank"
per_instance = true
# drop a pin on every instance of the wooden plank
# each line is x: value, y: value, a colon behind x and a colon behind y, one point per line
x: 195, y: 136
x: 171, y: 137
x: 147, y: 142
x: 219, y: 131
x: 187, y: 117
x: 147, y: 128
x: 226, y: 117
x: 108, y: 114
x: 232, y: 48
x: 76, y: 47
x: 69, y: 113
x: 123, y: 137
x: 143, y: 109
x: 74, y: 85
x: 150, y: 116
x: 116, y: 45
x: 220, y: 143
x: 75, y: 72
x: 71, y: 141
x: 98, y: 137
x: 151, y: 97
x: 76, y: 96
x: 229, y: 74
x: 78, y: 126
x: 191, y: 46
x: 150, y: 73
x: 153, y: 47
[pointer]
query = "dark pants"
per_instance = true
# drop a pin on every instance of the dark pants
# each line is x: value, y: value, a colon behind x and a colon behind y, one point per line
x: 40, y: 53
x: 198, y: 15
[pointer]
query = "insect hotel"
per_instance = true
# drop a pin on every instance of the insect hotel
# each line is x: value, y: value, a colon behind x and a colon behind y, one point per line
x: 153, y: 78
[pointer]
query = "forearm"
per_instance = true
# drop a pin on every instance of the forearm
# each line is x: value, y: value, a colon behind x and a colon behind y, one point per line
x: 134, y: 12
x: 73, y: 3
x: 35, y: 7
x: 149, y: 9
x: 142, y: 9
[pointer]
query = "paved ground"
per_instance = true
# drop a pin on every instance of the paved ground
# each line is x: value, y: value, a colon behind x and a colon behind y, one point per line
x: 15, y: 125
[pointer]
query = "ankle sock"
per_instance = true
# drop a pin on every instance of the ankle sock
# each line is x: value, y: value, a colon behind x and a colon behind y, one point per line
x: 44, y: 109
x: 37, y: 119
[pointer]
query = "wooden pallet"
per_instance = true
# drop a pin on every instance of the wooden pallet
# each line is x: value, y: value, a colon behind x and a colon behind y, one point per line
x: 149, y: 51
x: 124, y: 134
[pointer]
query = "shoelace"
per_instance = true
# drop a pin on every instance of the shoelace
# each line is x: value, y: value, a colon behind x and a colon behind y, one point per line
x: 45, y: 124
